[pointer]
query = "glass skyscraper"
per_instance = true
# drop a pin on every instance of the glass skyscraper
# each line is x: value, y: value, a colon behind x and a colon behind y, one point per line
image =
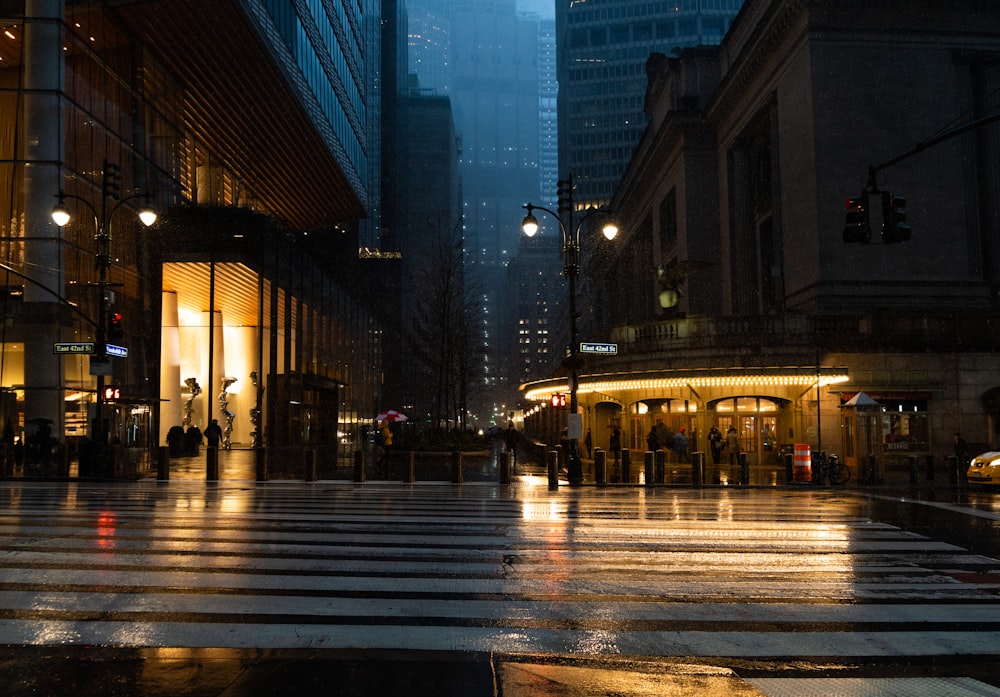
x: 602, y: 50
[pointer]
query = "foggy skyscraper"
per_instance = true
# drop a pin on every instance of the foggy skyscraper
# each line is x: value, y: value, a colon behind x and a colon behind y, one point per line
x: 484, y: 56
x: 602, y: 50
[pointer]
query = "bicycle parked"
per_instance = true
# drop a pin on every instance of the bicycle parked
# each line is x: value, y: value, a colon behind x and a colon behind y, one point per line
x: 831, y: 469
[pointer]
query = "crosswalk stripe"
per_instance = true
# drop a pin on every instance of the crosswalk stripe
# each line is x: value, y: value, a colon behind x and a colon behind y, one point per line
x: 628, y: 572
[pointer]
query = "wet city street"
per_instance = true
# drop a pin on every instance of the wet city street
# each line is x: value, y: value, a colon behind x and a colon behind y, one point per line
x: 190, y: 587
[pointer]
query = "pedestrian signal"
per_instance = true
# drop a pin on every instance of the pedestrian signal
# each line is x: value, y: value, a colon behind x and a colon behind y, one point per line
x: 559, y: 400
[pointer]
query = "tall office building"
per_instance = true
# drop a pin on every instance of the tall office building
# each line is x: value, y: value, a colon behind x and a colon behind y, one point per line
x: 548, y: 116
x: 602, y: 50
x: 247, y: 122
x: 490, y: 71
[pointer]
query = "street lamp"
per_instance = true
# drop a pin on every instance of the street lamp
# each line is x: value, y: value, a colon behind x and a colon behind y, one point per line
x: 571, y: 269
x: 111, y: 187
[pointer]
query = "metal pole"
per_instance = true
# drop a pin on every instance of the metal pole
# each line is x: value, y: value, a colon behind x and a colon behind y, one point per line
x: 571, y: 252
x: 108, y: 174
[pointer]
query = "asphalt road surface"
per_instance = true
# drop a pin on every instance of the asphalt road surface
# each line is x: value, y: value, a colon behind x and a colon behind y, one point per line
x: 239, y: 588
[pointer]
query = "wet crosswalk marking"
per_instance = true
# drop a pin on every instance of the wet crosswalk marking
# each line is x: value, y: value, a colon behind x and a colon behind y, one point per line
x: 774, y: 575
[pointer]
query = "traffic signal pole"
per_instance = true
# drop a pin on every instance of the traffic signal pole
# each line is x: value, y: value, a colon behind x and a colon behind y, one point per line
x: 883, y: 204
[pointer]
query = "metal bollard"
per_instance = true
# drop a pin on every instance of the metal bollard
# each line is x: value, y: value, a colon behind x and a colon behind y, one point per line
x: 212, y: 464
x: 162, y: 463
x: 626, y: 466
x: 312, y: 464
x: 697, y: 469
x: 552, y: 464
x: 260, y: 464
x: 744, y: 470
x: 359, y: 466
x: 648, y: 462
x: 930, y: 468
x: 660, y: 461
x: 410, y: 473
x: 954, y: 469
x: 601, y: 467
x: 456, y: 467
x: 914, y: 470
x: 506, y: 463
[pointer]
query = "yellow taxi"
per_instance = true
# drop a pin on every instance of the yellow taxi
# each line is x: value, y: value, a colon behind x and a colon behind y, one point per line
x: 984, y: 469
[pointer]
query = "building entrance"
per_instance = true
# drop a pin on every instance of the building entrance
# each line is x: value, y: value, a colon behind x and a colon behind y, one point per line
x: 756, y: 422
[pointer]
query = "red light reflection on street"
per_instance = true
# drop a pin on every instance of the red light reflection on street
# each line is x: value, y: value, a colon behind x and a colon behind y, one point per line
x: 106, y: 530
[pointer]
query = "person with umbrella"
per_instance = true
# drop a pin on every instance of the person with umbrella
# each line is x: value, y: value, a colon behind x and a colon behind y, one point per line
x: 385, y: 434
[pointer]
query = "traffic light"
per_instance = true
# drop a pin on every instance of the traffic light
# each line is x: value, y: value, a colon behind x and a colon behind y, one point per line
x: 115, y: 330
x: 894, y: 227
x: 857, y: 228
x: 558, y: 400
x: 112, y: 393
x: 111, y: 182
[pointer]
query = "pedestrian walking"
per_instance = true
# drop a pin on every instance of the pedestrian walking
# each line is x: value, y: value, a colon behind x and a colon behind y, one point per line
x: 715, y: 444
x: 615, y: 444
x: 961, y: 449
x: 510, y: 441
x: 213, y: 434
x: 680, y: 445
x: 652, y: 441
x: 733, y: 445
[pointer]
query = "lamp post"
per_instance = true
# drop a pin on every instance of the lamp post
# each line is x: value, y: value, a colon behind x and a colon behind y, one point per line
x: 111, y: 201
x: 570, y: 234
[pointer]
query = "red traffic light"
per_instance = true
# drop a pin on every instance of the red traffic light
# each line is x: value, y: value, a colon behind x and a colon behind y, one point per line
x: 115, y: 329
x: 558, y: 400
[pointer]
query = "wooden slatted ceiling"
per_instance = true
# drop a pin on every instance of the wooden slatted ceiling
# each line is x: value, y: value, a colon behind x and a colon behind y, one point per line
x: 239, y: 106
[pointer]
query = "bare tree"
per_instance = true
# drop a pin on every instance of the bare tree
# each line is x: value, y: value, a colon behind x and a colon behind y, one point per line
x: 443, y: 340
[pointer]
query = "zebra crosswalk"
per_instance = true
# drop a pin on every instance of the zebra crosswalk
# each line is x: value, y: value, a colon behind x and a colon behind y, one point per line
x: 801, y: 581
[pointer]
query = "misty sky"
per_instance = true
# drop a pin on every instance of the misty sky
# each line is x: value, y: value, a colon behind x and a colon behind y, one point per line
x: 545, y: 8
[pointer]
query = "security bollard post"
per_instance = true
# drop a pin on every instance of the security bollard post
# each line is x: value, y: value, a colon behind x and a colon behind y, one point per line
x: 456, y: 467
x: 310, y: 459
x: 648, y: 463
x: 410, y: 475
x: 697, y: 469
x: 626, y: 466
x: 260, y: 464
x: 359, y: 466
x: 212, y: 464
x: 552, y: 463
x: 162, y: 463
x: 930, y: 468
x: 951, y: 464
x: 506, y: 459
x: 744, y: 470
x: 660, y: 460
x: 914, y: 471
x: 601, y: 467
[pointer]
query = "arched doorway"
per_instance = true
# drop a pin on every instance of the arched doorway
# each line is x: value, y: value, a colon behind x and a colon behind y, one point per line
x: 758, y: 422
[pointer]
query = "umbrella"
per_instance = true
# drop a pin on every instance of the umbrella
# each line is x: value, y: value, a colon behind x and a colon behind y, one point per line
x: 391, y: 416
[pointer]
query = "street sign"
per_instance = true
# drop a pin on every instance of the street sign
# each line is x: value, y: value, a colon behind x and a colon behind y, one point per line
x: 73, y: 347
x: 113, y: 350
x: 589, y: 347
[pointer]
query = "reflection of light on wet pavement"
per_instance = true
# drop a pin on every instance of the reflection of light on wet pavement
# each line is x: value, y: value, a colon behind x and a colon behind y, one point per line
x: 543, y: 510
x: 598, y: 643
x: 106, y: 531
x: 54, y: 633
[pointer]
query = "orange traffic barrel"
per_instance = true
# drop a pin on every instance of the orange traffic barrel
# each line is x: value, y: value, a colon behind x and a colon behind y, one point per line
x: 802, y: 464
